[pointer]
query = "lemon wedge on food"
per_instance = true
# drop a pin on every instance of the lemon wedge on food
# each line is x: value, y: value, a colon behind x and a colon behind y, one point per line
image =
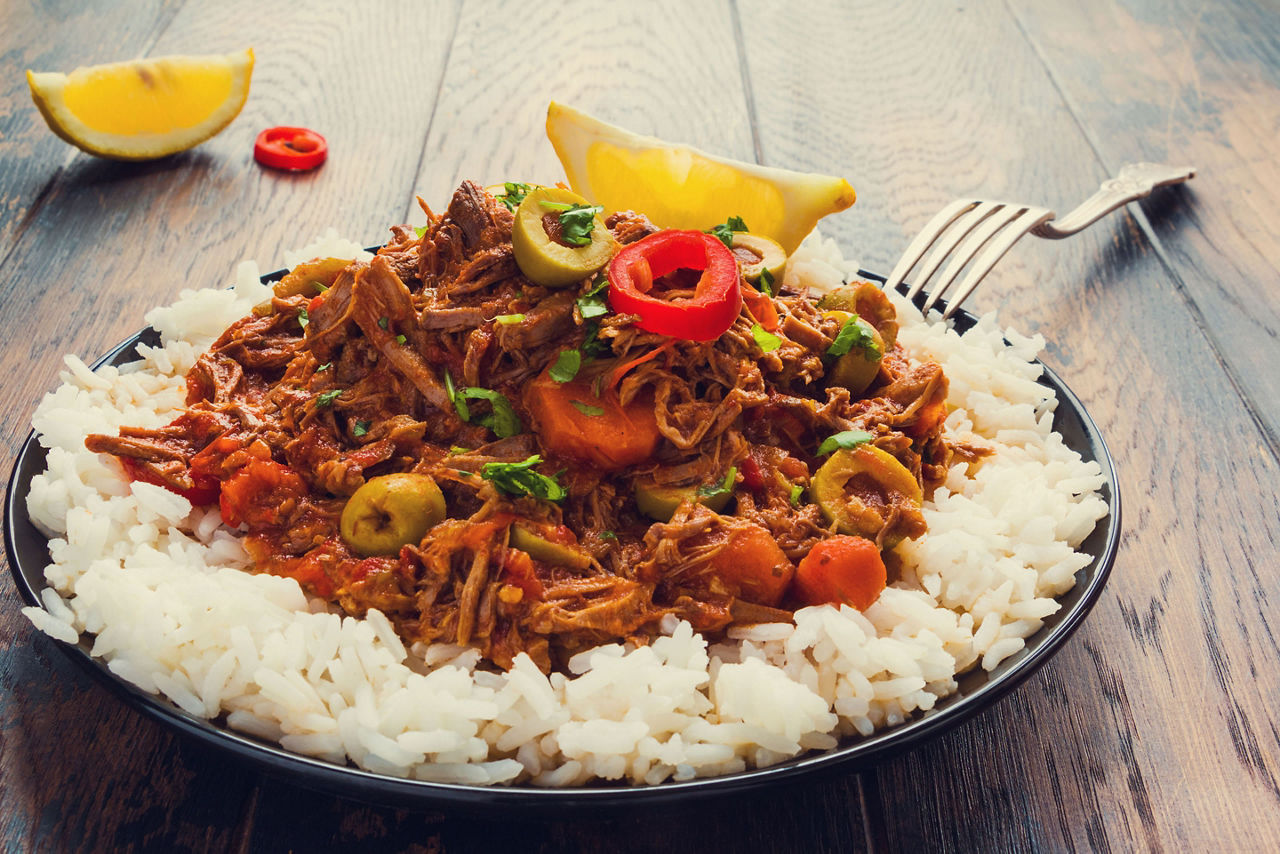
x: 681, y: 187
x: 145, y: 108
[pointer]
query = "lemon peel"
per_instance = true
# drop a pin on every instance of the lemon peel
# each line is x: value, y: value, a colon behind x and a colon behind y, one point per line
x: 144, y: 108
x: 678, y: 186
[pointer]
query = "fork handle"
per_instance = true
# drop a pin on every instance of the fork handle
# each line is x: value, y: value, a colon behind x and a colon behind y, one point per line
x: 1135, y: 181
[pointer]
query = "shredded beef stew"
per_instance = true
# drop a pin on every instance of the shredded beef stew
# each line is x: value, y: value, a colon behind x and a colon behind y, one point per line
x: 576, y: 478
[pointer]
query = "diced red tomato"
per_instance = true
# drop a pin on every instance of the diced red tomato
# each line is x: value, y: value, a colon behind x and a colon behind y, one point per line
x: 518, y: 571
x: 256, y: 492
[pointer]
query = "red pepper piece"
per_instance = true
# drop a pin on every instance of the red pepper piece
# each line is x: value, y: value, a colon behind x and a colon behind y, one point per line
x: 293, y: 149
x: 717, y: 297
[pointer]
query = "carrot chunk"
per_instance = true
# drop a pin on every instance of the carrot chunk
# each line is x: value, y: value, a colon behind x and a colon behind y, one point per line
x: 842, y: 570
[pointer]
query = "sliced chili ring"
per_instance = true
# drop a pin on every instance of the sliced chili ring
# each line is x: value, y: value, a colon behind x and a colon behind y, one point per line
x: 293, y: 149
x: 717, y: 297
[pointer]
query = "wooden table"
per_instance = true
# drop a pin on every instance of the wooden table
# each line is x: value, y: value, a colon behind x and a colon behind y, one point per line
x: 1153, y: 729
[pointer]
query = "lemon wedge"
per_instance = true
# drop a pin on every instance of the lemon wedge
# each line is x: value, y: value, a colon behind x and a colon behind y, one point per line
x: 145, y: 108
x: 681, y: 187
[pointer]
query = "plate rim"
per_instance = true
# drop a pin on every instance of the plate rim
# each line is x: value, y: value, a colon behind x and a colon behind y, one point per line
x: 355, y: 783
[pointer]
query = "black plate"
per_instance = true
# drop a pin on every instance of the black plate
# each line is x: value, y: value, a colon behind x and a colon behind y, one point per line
x: 28, y: 555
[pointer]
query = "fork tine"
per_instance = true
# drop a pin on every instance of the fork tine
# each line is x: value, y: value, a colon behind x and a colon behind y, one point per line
x: 1032, y: 218
x: 947, y: 244
x: 971, y: 246
x: 922, y: 241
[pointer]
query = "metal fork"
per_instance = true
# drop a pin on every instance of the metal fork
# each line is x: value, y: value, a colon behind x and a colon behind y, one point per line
x: 991, y: 228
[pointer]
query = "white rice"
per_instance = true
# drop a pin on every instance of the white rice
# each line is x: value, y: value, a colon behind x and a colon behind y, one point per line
x: 161, y: 588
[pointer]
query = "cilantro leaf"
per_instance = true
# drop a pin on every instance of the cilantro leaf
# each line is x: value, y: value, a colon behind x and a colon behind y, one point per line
x: 521, y: 479
x: 724, y: 486
x: 856, y: 332
x: 577, y: 222
x: 382, y: 322
x: 766, y: 282
x: 459, y: 403
x: 514, y: 194
x: 502, y: 420
x: 848, y: 440
x: 566, y: 366
x: 303, y: 319
x: 326, y: 366
x: 361, y: 428
x: 586, y: 408
x: 593, y: 302
x: 766, y: 341
x: 327, y: 398
x: 591, y: 344
x: 724, y: 231
x: 608, y: 535
x: 421, y: 230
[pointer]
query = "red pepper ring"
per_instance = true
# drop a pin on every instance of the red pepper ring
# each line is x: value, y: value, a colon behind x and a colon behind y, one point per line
x: 717, y: 298
x: 294, y: 149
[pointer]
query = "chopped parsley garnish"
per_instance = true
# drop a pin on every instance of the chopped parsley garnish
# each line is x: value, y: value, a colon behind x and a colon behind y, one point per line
x: 766, y: 282
x: 586, y: 408
x: 724, y: 231
x: 766, y: 341
x: 593, y: 302
x: 592, y: 345
x: 382, y: 322
x: 521, y: 479
x: 848, y: 440
x: 713, y: 489
x: 514, y: 195
x: 855, y: 333
x: 796, y: 491
x: 303, y: 320
x: 400, y: 339
x: 327, y: 398
x: 502, y: 420
x: 576, y: 221
x: 509, y: 319
x: 361, y: 428
x: 566, y: 366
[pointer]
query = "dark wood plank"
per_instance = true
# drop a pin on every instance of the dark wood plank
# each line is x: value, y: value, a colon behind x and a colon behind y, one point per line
x: 34, y: 157
x: 1110, y: 747
x: 105, y: 242
x: 83, y: 773
x: 1196, y: 83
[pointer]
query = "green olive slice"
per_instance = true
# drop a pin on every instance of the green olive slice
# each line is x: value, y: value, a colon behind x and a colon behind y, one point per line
x: 659, y: 503
x: 858, y: 367
x: 540, y: 256
x: 540, y: 548
x: 389, y: 512
x: 756, y: 253
x: 854, y: 490
x: 866, y: 300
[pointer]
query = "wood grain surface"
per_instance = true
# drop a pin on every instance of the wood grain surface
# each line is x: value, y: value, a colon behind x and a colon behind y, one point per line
x: 1153, y: 729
